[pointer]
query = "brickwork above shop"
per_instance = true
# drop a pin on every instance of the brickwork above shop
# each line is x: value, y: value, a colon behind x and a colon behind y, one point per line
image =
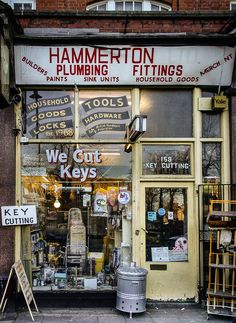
x: 75, y: 5
x: 186, y: 17
x: 131, y: 25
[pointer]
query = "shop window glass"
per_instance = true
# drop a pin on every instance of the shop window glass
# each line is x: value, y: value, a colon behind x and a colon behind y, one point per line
x: 48, y: 114
x: 210, y: 125
x: 104, y: 114
x: 211, y: 162
x: 83, y: 199
x: 169, y: 113
x: 166, y: 160
x: 166, y: 224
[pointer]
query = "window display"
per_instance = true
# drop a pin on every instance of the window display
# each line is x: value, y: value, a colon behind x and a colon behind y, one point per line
x: 83, y: 199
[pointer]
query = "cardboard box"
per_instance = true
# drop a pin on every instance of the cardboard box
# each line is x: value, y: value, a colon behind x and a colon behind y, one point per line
x: 90, y: 283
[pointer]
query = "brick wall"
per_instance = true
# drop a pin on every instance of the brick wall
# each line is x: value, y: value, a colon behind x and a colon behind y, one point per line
x: 80, y: 5
x: 129, y: 25
x: 7, y: 186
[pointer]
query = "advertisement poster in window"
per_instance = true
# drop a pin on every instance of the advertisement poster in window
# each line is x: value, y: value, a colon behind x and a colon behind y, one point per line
x: 104, y: 114
x: 49, y: 114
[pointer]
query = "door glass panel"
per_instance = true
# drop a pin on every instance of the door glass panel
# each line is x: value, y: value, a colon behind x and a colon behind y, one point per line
x: 166, y: 224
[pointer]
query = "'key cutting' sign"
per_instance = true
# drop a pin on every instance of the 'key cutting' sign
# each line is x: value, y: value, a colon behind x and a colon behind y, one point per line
x: 19, y: 215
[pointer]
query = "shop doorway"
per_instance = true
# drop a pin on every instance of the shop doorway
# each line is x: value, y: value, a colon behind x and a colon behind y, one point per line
x: 168, y: 240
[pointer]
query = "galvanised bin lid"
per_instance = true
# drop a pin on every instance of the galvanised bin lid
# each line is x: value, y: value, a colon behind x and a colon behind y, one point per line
x: 132, y: 270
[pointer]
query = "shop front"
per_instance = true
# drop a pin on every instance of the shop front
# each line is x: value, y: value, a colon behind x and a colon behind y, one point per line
x: 98, y: 204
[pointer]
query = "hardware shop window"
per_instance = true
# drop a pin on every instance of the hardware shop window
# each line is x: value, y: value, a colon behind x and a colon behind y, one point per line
x: 83, y: 199
x: 169, y: 113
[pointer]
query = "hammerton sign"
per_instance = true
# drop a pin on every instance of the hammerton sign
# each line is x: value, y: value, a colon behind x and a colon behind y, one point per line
x: 19, y: 215
x: 153, y: 65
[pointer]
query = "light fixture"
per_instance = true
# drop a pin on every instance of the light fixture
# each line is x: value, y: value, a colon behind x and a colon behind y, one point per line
x: 137, y: 127
x: 57, y: 203
x: 128, y: 147
x: 134, y: 130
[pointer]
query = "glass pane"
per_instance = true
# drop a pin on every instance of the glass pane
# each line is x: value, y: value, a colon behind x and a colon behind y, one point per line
x: 27, y: 6
x: 101, y: 7
x: 210, y: 125
x: 166, y: 224
x: 82, y: 194
x: 104, y: 114
x: 119, y: 6
x: 129, y: 6
x: 137, y: 6
x: 211, y: 162
x: 169, y: 113
x: 155, y: 7
x: 49, y: 114
x: 18, y: 6
x: 166, y: 159
x: 75, y: 162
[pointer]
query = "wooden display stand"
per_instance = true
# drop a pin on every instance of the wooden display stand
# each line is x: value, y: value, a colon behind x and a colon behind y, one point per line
x: 221, y: 294
x: 18, y: 270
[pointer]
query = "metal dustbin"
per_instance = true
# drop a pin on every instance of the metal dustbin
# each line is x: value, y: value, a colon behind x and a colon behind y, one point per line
x: 131, y: 289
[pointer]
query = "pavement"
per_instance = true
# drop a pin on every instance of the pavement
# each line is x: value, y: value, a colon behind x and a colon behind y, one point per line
x: 165, y: 313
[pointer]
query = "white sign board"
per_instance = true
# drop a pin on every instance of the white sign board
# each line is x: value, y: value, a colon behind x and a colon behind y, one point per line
x: 19, y: 215
x: 124, y: 65
x: 160, y: 254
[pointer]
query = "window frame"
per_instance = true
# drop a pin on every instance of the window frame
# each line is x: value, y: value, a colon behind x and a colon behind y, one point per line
x: 232, y: 3
x: 12, y: 2
x: 168, y: 176
x: 146, y: 5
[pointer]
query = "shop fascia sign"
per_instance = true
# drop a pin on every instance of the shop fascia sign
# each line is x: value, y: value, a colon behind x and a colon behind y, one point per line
x: 19, y: 215
x: 124, y: 65
x: 80, y: 157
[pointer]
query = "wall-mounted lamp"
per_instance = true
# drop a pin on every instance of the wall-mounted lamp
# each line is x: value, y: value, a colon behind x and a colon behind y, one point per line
x: 134, y: 130
x: 15, y: 131
x: 128, y: 147
x: 57, y: 203
x: 137, y: 127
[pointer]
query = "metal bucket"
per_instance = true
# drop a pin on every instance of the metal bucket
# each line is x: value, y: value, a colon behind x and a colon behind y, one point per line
x: 131, y: 289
